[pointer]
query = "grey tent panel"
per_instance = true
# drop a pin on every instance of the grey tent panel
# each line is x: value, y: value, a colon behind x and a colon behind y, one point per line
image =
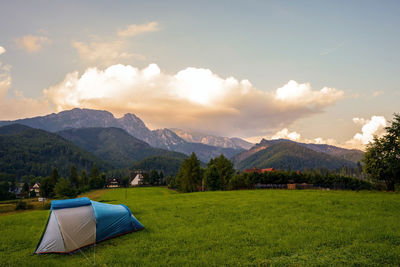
x: 52, y: 240
x: 78, y: 226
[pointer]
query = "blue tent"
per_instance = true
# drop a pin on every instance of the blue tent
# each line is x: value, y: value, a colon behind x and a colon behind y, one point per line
x: 76, y: 223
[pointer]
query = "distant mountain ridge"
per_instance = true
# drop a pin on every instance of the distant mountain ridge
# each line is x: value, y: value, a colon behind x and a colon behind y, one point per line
x: 85, y: 118
x: 353, y: 155
x: 212, y: 140
x: 286, y: 154
x: 115, y: 145
x: 205, y: 146
x: 162, y: 138
x: 289, y: 154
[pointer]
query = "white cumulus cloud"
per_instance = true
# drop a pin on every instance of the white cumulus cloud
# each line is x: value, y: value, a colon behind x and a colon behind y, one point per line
x: 285, y: 134
x: 192, y: 98
x: 370, y: 127
x: 2, y: 50
x: 302, y: 94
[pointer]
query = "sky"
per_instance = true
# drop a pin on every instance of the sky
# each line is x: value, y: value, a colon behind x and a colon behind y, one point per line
x: 311, y: 71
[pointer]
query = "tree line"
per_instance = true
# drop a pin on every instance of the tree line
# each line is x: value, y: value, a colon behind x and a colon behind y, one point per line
x: 56, y: 186
x: 219, y: 174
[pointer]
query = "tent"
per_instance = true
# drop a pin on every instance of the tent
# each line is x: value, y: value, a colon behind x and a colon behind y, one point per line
x: 76, y: 223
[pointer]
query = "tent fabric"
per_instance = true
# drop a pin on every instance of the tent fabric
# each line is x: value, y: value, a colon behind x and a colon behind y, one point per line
x: 78, y: 230
x: 113, y: 220
x: 75, y: 223
x: 70, y: 203
x: 52, y: 239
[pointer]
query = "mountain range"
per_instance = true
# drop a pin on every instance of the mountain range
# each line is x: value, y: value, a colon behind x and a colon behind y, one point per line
x: 126, y: 141
x: 287, y: 154
x: 161, y: 138
x: 212, y: 140
x: 115, y: 145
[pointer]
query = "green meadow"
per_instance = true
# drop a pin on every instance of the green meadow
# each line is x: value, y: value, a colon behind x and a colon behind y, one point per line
x: 248, y: 227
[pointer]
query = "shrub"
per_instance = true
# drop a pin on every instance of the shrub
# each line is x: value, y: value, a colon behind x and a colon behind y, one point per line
x: 22, y: 205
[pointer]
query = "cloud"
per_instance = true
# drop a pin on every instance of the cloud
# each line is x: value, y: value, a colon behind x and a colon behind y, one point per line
x: 294, y: 93
x: 377, y: 93
x: 104, y: 53
x: 5, y: 77
x: 370, y: 127
x: 135, y: 29
x: 192, y: 98
x: 31, y: 43
x: 17, y: 106
x: 285, y: 134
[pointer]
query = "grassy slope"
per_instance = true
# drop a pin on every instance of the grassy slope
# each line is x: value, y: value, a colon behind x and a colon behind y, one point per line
x: 230, y: 228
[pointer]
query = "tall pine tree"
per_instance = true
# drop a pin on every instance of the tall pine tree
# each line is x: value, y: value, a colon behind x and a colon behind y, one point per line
x: 189, y: 175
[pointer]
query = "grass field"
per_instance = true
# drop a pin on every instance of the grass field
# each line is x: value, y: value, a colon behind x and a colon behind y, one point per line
x: 254, y: 227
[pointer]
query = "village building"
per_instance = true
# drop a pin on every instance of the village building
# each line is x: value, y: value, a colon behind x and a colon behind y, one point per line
x: 36, y: 188
x: 136, y: 178
x: 113, y: 183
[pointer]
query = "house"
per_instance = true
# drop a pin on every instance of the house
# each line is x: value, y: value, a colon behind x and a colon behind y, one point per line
x: 17, y: 190
x: 36, y: 188
x: 259, y: 170
x: 113, y: 183
x: 137, y: 180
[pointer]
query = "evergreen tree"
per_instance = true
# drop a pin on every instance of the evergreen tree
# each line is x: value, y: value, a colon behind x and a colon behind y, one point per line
x: 84, y: 180
x: 161, y: 178
x: 13, y: 184
x: 103, y: 180
x: 54, y: 176
x: 25, y: 188
x: 154, y: 177
x: 73, y: 176
x: 124, y: 181
x: 189, y: 175
x: 95, y: 171
x: 63, y: 189
x: 225, y: 170
x: 212, y: 179
x: 46, y: 187
x: 94, y: 177
x: 146, y: 178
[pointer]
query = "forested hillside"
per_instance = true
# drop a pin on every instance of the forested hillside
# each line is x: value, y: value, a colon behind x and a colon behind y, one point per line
x: 115, y: 145
x: 28, y: 151
x: 293, y: 156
